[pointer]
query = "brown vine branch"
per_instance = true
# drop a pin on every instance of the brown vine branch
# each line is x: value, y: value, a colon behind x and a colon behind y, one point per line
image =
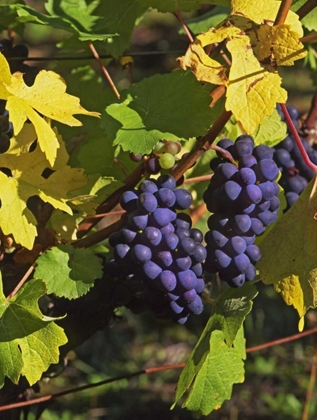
x: 50, y: 397
x: 306, y: 8
x: 282, y: 340
x: 283, y: 12
x: 46, y: 398
x: 308, y: 38
x: 103, y: 68
x: 184, y: 26
x: 22, y: 281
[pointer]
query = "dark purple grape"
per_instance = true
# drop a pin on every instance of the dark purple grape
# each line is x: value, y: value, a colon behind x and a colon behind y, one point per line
x: 165, y: 197
x: 128, y: 201
x: 196, y: 234
x: 253, y: 252
x: 183, y: 263
x: 222, y: 259
x: 121, y: 250
x: 151, y: 270
x: 247, y: 161
x: 152, y: 236
x: 141, y: 253
x: 187, y: 279
x: 152, y: 165
x: 127, y: 235
x: 263, y: 152
x: 164, y: 259
x: 196, y: 307
x: 166, y: 181
x: 266, y: 170
x: 190, y: 295
x: 231, y: 190
x: 291, y: 198
x: 162, y: 217
x: 167, y: 281
x: 138, y: 221
x: 148, y: 186
x: 147, y: 202
x: 183, y: 199
x: 252, y: 194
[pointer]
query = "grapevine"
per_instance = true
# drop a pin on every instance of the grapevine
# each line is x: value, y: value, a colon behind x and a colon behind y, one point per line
x: 169, y: 187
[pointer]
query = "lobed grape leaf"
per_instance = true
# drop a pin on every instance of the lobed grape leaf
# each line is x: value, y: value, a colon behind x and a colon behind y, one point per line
x: 271, y: 132
x: 214, y: 375
x: 160, y: 107
x: 74, y: 16
x: 47, y: 95
x: 289, y: 254
x: 27, y: 347
x: 25, y: 179
x: 217, y: 353
x: 253, y: 84
x: 67, y: 271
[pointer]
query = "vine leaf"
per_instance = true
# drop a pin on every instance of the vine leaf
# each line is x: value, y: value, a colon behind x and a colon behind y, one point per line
x: 216, y: 364
x: 271, y: 132
x: 47, y: 96
x: 257, y: 48
x: 67, y: 271
x: 220, y: 369
x: 181, y: 5
x: 310, y: 20
x: 159, y: 107
x: 27, y: 347
x: 25, y: 180
x: 289, y: 254
x: 70, y: 15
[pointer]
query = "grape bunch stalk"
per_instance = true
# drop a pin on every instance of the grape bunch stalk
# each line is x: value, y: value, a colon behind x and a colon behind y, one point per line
x: 159, y: 248
x: 243, y: 197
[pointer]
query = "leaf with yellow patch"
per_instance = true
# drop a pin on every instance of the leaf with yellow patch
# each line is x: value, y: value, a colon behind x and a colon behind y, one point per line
x: 280, y: 41
x: 264, y: 11
x: 289, y: 254
x: 23, y: 179
x: 252, y: 92
x: 47, y: 96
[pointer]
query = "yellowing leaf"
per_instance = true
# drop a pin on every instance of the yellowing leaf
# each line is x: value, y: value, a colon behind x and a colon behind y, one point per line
x: 47, y: 96
x: 289, y: 254
x: 26, y: 180
x: 264, y: 11
x: 252, y: 92
x: 205, y: 68
x: 280, y: 42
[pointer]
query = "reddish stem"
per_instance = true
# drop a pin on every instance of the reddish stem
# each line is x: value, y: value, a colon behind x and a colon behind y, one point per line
x: 283, y: 12
x: 308, y: 38
x: 22, y: 281
x: 297, y: 139
x: 306, y: 8
x: 104, y: 70
x: 184, y: 26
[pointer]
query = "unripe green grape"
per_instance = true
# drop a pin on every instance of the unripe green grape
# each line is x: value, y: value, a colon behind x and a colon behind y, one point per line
x: 167, y: 161
x: 159, y: 147
x: 171, y: 147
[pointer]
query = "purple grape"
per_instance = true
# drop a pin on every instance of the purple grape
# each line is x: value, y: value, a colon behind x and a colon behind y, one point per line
x: 187, y: 279
x: 141, y: 253
x: 127, y: 235
x: 183, y: 263
x: 165, y: 197
x: 151, y: 270
x: 247, y: 161
x: 266, y: 170
x: 121, y: 250
x: 147, y: 202
x: 196, y: 234
x: 177, y: 309
x: 263, y: 152
x: 166, y: 181
x: 148, y: 186
x: 250, y: 273
x: 241, y: 223
x: 226, y: 171
x: 171, y: 241
x: 152, y: 236
x: 190, y: 295
x: 252, y: 194
x: 167, y: 281
x: 196, y: 307
x: 198, y: 270
x: 253, y: 252
x: 164, y: 259
x: 183, y: 199
x: 162, y: 217
x: 222, y: 259
x: 138, y: 221
x: 200, y: 286
x: 231, y: 190
x: 128, y: 201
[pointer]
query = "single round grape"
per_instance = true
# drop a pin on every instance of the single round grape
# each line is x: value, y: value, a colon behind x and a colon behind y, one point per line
x: 151, y: 270
x: 121, y: 250
x: 222, y: 259
x: 166, y: 181
x: 196, y: 234
x: 138, y: 221
x: 177, y: 309
x: 152, y: 236
x: 253, y: 252
x: 241, y: 262
x: 237, y: 281
x: 293, y: 112
x: 283, y: 158
x: 246, y: 176
x: 159, y: 147
x: 167, y: 161
x: 274, y: 204
x: 224, y: 144
x: 231, y: 190
x: 187, y: 279
x: 136, y: 158
x: 263, y: 152
x: 291, y: 198
x: 164, y: 258
x: 165, y: 197
x: 226, y: 171
x: 148, y: 186
x: 169, y: 228
x: 196, y: 307
x: 162, y: 216
x: 172, y: 147
x: 200, y: 253
x: 266, y: 217
x: 257, y: 226
x: 266, y: 170
x: 250, y: 273
x: 264, y: 205
x: 141, y: 253
x: 170, y: 240
x: 183, y: 199
x: 200, y: 286
x: 128, y: 201
x: 183, y: 221
x: 268, y: 190
x: 252, y: 194
x: 247, y: 161
x: 235, y: 246
x: 147, y: 202
x: 167, y: 281
x: 190, y: 295
x: 115, y: 238
x: 242, y: 148
x: 241, y: 223
x: 183, y: 263
x: 152, y: 165
x: 20, y: 50
x: 127, y: 235
x: 216, y: 237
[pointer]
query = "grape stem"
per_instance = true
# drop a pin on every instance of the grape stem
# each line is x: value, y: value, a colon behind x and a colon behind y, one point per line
x: 103, y: 68
x: 224, y: 153
x: 184, y: 26
x: 311, y: 120
x: 306, y: 8
x: 298, y: 139
x: 22, y: 281
x: 283, y: 12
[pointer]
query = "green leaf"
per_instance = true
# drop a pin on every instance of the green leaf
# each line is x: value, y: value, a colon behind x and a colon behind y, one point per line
x: 71, y: 15
x: 67, y: 271
x: 222, y: 367
x: 231, y: 308
x: 170, y: 106
x: 29, y: 346
x: 208, y: 20
x: 119, y: 17
x: 229, y: 312
x: 181, y: 5
x: 271, y: 132
x: 310, y: 20
x: 289, y: 254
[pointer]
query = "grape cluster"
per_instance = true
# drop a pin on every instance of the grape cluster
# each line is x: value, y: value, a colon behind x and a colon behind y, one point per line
x: 159, y: 247
x: 295, y: 173
x: 243, y: 197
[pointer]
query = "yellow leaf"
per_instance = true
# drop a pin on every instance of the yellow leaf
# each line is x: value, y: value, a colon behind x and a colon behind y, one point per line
x: 252, y: 92
x: 289, y: 254
x: 47, y: 96
x: 280, y: 43
x: 26, y: 180
x: 264, y: 11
